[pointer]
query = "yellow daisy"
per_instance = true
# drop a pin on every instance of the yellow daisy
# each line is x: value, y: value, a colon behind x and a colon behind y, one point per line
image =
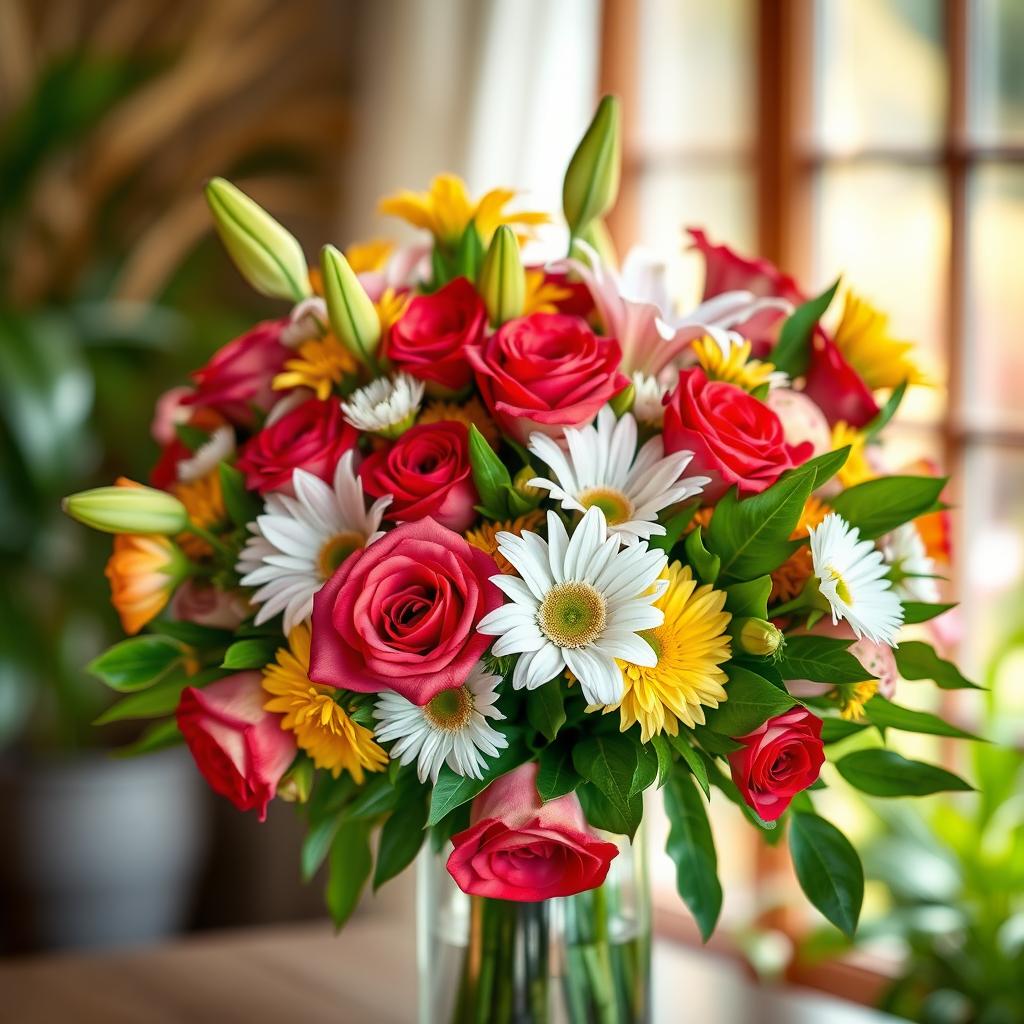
x: 789, y: 579
x: 691, y: 645
x: 484, y: 537
x: 446, y: 208
x: 542, y: 295
x: 321, y: 363
x: 322, y: 727
x: 364, y: 257
x: 857, y: 469
x: 204, y: 502
x: 735, y: 368
x: 469, y: 412
x: 853, y: 696
x: 865, y: 341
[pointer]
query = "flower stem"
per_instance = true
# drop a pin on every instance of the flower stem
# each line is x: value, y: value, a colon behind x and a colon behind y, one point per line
x: 215, y: 542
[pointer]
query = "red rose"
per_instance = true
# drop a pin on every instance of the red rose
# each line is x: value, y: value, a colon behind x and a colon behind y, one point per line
x: 241, y: 749
x: 544, y: 372
x: 577, y: 300
x: 779, y: 759
x: 402, y: 614
x: 165, y: 473
x: 427, y: 473
x: 313, y: 437
x: 519, y: 848
x: 430, y: 338
x: 239, y: 376
x: 734, y: 437
x: 835, y: 386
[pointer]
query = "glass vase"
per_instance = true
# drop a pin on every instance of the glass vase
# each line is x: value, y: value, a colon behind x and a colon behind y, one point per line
x: 581, y: 959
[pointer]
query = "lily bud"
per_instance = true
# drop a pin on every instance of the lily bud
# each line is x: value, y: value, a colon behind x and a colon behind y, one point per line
x: 599, y: 238
x: 268, y: 256
x: 131, y: 509
x: 757, y: 636
x: 350, y: 310
x: 592, y: 179
x: 502, y: 283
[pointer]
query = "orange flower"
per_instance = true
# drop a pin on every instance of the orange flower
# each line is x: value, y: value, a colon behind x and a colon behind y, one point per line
x: 143, y: 572
x: 789, y: 579
x: 204, y: 502
x: 485, y: 537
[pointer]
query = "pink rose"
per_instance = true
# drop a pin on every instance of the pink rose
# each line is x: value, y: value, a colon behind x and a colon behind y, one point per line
x: 313, y: 437
x: 520, y: 848
x: 735, y: 438
x: 544, y: 372
x: 207, y: 605
x: 779, y: 759
x: 238, y: 377
x: 427, y: 473
x: 430, y: 338
x: 402, y: 614
x: 802, y: 421
x: 241, y: 749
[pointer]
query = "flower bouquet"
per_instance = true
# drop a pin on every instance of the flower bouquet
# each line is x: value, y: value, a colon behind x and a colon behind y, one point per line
x: 479, y: 543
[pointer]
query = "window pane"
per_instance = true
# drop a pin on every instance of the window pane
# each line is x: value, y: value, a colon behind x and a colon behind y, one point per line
x: 880, y: 73
x: 994, y: 356
x: 696, y: 75
x: 997, y: 71
x: 885, y: 227
x: 719, y: 199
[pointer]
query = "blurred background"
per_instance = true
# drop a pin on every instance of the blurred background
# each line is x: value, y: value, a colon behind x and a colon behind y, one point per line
x: 883, y: 139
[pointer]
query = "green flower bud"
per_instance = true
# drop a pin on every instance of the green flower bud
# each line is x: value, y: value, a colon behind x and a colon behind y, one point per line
x: 128, y: 510
x: 623, y: 401
x: 502, y: 282
x: 297, y: 783
x: 521, y: 485
x: 350, y: 310
x: 592, y: 178
x: 757, y: 636
x: 599, y: 238
x: 267, y: 255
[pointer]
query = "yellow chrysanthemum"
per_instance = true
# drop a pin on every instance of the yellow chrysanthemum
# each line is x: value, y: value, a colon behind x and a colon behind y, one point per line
x: 446, y: 208
x: 789, y: 578
x: 322, y: 727
x: 390, y: 307
x: 865, y: 341
x: 321, y: 363
x: 735, y: 368
x: 692, y: 645
x: 857, y: 469
x: 204, y: 502
x: 853, y: 696
x: 364, y: 257
x: 484, y: 537
x: 469, y: 412
x: 542, y: 295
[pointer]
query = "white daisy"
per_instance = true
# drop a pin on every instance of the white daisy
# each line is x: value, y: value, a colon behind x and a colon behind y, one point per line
x: 451, y: 728
x: 910, y: 566
x: 648, y: 395
x: 218, y: 446
x: 386, y: 406
x: 298, y: 542
x: 603, y: 469
x: 852, y: 578
x: 577, y: 604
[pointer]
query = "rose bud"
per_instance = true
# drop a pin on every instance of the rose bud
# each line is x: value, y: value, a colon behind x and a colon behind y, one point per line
x: 779, y: 759
x: 241, y: 749
x: 519, y: 848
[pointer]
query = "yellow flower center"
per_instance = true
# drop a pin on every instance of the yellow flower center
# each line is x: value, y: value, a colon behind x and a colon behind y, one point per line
x: 617, y: 508
x: 335, y: 550
x: 450, y: 710
x: 572, y: 614
x: 842, y: 590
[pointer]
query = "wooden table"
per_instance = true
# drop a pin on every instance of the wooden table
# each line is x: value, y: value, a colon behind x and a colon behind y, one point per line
x: 367, y: 975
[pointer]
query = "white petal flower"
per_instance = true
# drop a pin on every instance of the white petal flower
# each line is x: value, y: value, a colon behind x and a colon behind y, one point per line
x: 852, y: 578
x: 451, y: 728
x: 648, y: 395
x: 904, y: 551
x: 299, y: 541
x: 219, y: 446
x: 386, y: 406
x: 603, y: 469
x: 579, y: 603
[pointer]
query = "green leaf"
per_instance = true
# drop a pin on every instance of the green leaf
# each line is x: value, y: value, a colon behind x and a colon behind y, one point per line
x: 402, y: 835
x: 317, y: 844
x: 674, y: 527
x: 715, y: 743
x: 792, y: 351
x: 202, y: 637
x: 692, y: 847
x: 609, y: 763
x: 490, y: 475
x: 255, y: 653
x: 191, y: 437
x: 918, y: 660
x: 664, y: 753
x: 137, y: 663
x: 545, y: 709
x: 556, y: 775
x: 828, y: 869
x: 749, y: 599
x: 646, y: 770
x: 835, y: 729
x: 242, y: 505
x: 886, y: 773
x: 160, y: 699
x: 824, y: 467
x: 693, y: 761
x: 158, y: 736
x: 349, y: 868
x: 451, y: 790
x: 918, y: 611
x: 886, y: 413
x: 878, y: 506
x: 374, y: 798
x: 886, y: 715
x: 752, y: 536
x: 603, y: 814
x: 705, y: 565
x: 750, y: 700
x: 822, y: 659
